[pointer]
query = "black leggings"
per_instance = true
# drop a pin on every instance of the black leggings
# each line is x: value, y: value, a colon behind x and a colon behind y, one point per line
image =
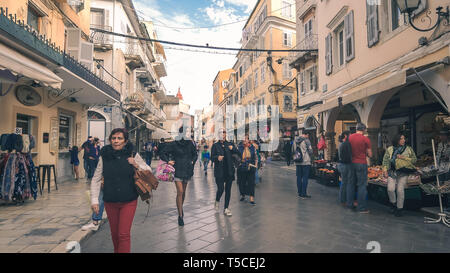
x: 224, y: 184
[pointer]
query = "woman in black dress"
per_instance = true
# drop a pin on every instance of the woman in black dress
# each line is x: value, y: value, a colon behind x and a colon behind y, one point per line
x: 182, y: 155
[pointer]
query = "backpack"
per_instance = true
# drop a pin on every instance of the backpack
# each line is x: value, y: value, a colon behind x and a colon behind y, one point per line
x: 345, y: 153
x: 298, y: 155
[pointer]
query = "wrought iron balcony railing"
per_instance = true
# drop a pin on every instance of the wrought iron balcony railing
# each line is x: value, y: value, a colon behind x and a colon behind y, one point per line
x: 310, y: 42
x: 101, y: 38
x: 29, y: 38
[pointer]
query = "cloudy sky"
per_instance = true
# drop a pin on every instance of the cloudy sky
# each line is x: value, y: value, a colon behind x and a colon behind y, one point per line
x: 186, y: 22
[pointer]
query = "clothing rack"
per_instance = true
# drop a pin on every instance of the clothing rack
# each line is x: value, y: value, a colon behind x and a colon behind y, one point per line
x: 442, y: 216
x: 18, y: 180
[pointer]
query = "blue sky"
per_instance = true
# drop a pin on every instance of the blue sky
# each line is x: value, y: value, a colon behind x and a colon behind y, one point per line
x: 194, y: 72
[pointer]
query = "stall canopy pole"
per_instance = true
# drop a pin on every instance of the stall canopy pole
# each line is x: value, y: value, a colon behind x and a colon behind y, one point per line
x: 441, y: 214
x: 431, y: 90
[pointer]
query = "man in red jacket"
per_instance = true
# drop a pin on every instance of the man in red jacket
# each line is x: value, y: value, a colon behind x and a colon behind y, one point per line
x: 361, y: 148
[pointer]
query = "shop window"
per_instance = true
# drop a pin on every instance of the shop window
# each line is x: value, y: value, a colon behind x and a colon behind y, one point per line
x: 65, y: 131
x: 25, y: 122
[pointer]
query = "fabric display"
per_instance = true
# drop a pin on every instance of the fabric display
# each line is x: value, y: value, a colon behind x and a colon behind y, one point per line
x: 20, y: 143
x: 18, y: 177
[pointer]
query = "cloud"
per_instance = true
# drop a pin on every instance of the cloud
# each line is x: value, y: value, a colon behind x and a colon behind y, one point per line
x: 248, y: 4
x: 194, y: 72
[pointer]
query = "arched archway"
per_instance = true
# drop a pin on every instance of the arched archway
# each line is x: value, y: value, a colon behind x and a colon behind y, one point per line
x: 339, y: 119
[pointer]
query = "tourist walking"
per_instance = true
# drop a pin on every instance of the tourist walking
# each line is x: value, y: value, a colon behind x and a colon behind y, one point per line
x: 344, y: 165
x: 246, y: 170
x: 117, y: 167
x: 361, y: 149
x: 87, y: 147
x: 182, y: 155
x: 398, y: 164
x: 148, y: 148
x: 75, y: 161
x: 288, y: 151
x: 206, y: 156
x: 224, y: 172
x: 302, y: 145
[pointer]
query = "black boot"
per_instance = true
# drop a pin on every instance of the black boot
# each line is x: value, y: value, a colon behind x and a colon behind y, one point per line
x: 180, y: 221
x: 393, y: 208
x: 398, y: 212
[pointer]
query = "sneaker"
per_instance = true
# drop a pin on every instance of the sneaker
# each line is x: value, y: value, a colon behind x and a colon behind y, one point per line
x: 227, y: 212
x: 216, y: 206
x: 364, y: 211
x: 91, y: 226
x: 306, y: 196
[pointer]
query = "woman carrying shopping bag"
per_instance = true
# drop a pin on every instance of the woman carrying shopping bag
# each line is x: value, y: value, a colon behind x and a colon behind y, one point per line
x: 182, y: 155
x: 398, y: 163
x: 247, y: 169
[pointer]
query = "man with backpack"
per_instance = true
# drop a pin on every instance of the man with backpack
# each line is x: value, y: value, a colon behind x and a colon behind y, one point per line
x: 303, y: 159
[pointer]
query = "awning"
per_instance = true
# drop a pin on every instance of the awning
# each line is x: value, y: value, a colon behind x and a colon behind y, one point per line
x: 19, y: 64
x: 160, y: 133
x: 87, y: 93
x: 396, y: 79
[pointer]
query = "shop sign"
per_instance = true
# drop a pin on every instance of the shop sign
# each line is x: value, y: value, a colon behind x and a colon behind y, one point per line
x: 107, y: 109
x: 54, y: 135
x: 18, y: 131
x: 63, y: 121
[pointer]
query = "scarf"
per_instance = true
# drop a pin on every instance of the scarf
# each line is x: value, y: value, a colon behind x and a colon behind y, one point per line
x: 397, y: 151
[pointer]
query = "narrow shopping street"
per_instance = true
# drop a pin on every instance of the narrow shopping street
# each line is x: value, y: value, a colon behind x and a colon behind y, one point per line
x: 280, y: 222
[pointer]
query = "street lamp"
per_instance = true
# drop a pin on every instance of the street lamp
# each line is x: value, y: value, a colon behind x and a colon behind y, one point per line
x: 409, y: 6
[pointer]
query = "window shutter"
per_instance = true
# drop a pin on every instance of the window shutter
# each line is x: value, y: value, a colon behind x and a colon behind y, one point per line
x: 314, y: 78
x: 349, y: 37
x: 87, y: 54
x: 372, y: 25
x: 328, y: 54
x: 302, y: 83
x: 73, y: 42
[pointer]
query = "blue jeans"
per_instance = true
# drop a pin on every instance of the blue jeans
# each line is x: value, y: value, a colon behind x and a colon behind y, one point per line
x: 358, y: 178
x: 345, y: 170
x: 148, y: 158
x: 302, y: 173
x: 205, y: 164
x: 98, y: 217
x: 86, y: 166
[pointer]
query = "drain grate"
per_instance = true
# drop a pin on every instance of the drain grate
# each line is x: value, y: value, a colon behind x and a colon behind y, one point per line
x: 42, y: 232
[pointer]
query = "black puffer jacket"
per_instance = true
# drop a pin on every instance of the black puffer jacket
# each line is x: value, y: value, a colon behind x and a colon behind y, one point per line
x: 184, y: 153
x: 118, y: 174
x: 224, y: 169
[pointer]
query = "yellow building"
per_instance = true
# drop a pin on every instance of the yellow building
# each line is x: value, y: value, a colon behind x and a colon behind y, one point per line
x: 220, y: 86
x: 374, y: 67
x: 263, y: 78
x: 46, y: 77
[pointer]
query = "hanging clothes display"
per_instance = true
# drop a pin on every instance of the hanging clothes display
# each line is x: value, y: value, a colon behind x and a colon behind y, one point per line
x: 18, y: 179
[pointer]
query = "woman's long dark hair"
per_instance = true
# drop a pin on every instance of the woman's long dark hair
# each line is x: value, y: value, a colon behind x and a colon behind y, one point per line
x: 396, y: 140
x: 343, y: 135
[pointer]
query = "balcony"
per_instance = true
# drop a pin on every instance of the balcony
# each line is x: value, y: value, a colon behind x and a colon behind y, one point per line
x: 309, y: 43
x: 134, y: 102
x: 70, y: 70
x: 160, y: 65
x: 102, y: 42
x: 133, y: 55
x: 249, y: 39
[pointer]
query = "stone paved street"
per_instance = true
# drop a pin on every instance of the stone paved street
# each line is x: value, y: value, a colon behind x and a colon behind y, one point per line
x: 280, y: 222
x: 40, y: 225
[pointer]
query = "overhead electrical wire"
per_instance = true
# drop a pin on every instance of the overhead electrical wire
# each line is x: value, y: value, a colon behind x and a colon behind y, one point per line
x: 200, y: 46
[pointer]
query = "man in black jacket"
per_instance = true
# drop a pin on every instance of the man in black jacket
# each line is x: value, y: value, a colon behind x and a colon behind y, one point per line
x: 222, y: 155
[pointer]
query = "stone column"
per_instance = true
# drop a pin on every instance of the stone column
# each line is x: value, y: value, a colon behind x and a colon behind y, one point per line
x: 331, y: 145
x: 372, y: 134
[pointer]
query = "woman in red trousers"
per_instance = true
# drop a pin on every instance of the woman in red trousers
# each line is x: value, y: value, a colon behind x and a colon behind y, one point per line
x: 116, y: 166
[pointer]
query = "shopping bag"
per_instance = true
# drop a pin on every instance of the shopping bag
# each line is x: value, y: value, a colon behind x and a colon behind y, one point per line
x: 165, y: 172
